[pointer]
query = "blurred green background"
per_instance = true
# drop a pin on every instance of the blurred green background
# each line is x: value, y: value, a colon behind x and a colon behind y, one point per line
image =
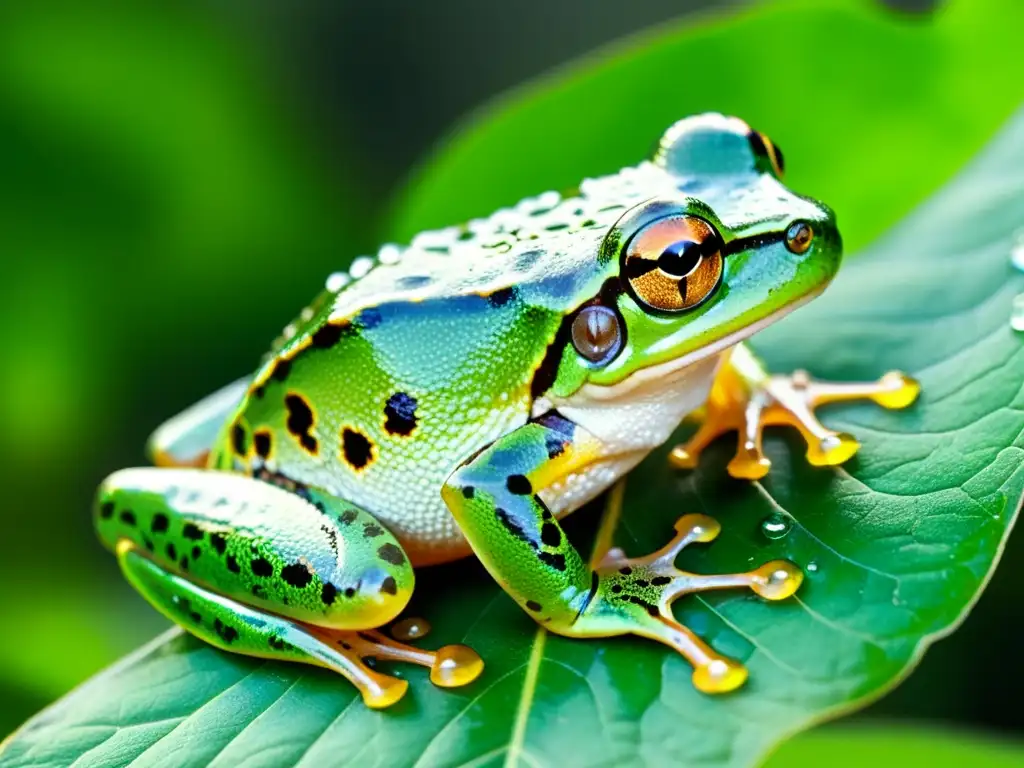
x: 175, y: 182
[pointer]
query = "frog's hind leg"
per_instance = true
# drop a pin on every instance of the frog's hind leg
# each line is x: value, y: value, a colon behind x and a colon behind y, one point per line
x: 255, y: 569
x: 232, y: 626
x: 745, y: 398
x: 186, y: 440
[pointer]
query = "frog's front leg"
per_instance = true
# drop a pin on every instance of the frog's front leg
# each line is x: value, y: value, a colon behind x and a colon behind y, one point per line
x: 257, y: 570
x: 745, y: 398
x: 495, y: 499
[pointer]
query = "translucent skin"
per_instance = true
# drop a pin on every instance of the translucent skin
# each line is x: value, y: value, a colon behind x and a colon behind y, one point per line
x: 445, y: 399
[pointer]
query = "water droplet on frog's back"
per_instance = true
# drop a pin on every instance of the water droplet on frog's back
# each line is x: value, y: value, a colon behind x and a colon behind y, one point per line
x: 1017, y: 313
x: 812, y: 566
x: 776, y: 526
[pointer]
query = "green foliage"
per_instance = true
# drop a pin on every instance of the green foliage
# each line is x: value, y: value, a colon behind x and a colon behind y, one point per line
x: 901, y: 541
x: 873, y: 110
x: 846, y: 747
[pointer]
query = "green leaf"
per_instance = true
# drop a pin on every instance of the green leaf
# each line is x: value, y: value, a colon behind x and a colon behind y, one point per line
x: 855, y: 747
x: 883, y: 108
x: 902, y: 541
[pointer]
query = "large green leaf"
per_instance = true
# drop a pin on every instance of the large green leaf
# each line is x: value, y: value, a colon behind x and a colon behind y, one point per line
x: 901, y: 540
x: 883, y: 108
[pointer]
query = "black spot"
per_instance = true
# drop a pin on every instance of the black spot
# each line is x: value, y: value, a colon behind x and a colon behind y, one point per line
x: 183, y: 563
x: 545, y: 514
x: 300, y: 421
x: 501, y: 297
x: 232, y: 564
x: 172, y: 553
x: 519, y: 485
x: 332, y: 537
x: 260, y: 566
x: 147, y: 544
x: 348, y: 516
x: 297, y: 575
x: 533, y: 606
x: 327, y: 336
x: 556, y: 561
x: 372, y: 529
x: 219, y: 542
x: 261, y: 441
x: 400, y: 411
x: 651, y: 609
x: 660, y: 581
x: 616, y: 588
x: 226, y: 633
x: 276, y: 643
x: 195, y: 617
x: 345, y: 645
x: 350, y: 591
x: 260, y: 392
x: 513, y: 527
x: 107, y: 510
x: 550, y: 535
x: 625, y: 570
x: 468, y: 491
x: 328, y: 593
x: 388, y: 586
x: 281, y: 370
x: 191, y: 531
x: 258, y: 591
x: 160, y: 523
x: 127, y: 517
x: 391, y: 553
x: 238, y: 440
x: 642, y: 583
x: 555, y: 445
x: 358, y: 450
x: 369, y: 318
x: 196, y: 552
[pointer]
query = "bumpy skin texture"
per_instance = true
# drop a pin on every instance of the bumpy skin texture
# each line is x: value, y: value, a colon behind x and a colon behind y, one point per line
x: 462, y: 393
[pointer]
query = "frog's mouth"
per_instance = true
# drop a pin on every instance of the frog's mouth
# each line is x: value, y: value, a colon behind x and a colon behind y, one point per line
x: 662, y: 376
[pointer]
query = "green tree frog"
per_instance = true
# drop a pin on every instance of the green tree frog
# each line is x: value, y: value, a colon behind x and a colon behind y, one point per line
x: 462, y: 394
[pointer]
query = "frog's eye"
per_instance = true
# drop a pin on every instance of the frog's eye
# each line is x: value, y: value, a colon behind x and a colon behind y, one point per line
x: 596, y: 333
x: 674, y: 264
x: 765, y: 147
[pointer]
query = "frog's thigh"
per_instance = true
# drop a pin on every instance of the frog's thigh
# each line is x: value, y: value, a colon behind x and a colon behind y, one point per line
x: 494, y: 498
x: 185, y: 440
x: 254, y: 569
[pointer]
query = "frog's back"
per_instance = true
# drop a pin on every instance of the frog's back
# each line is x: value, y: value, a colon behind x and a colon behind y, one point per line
x: 417, y: 359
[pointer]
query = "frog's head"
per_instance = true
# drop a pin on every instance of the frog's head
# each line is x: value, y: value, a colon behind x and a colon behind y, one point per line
x: 718, y: 251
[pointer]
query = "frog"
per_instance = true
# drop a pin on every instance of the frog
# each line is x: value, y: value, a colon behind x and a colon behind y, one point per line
x: 459, y: 395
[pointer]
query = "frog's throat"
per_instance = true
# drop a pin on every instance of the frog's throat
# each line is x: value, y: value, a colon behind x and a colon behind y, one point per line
x: 663, y: 375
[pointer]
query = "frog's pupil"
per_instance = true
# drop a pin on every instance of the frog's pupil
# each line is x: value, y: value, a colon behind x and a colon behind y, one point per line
x: 680, y: 258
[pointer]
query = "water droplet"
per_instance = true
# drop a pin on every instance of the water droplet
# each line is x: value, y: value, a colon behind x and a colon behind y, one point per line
x: 410, y: 629
x: 812, y: 567
x: 1017, y: 252
x: 1017, y: 315
x: 455, y: 665
x: 776, y: 526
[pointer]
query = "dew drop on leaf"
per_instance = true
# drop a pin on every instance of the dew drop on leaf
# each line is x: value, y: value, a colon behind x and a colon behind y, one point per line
x: 776, y: 526
x: 1017, y: 253
x: 812, y: 567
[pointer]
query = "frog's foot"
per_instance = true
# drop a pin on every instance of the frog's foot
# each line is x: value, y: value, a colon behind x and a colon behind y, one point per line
x: 451, y: 666
x: 635, y: 596
x: 745, y: 399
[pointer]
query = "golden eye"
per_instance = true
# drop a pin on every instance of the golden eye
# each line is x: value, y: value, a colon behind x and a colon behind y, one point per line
x: 596, y: 333
x: 799, y: 236
x: 675, y: 263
